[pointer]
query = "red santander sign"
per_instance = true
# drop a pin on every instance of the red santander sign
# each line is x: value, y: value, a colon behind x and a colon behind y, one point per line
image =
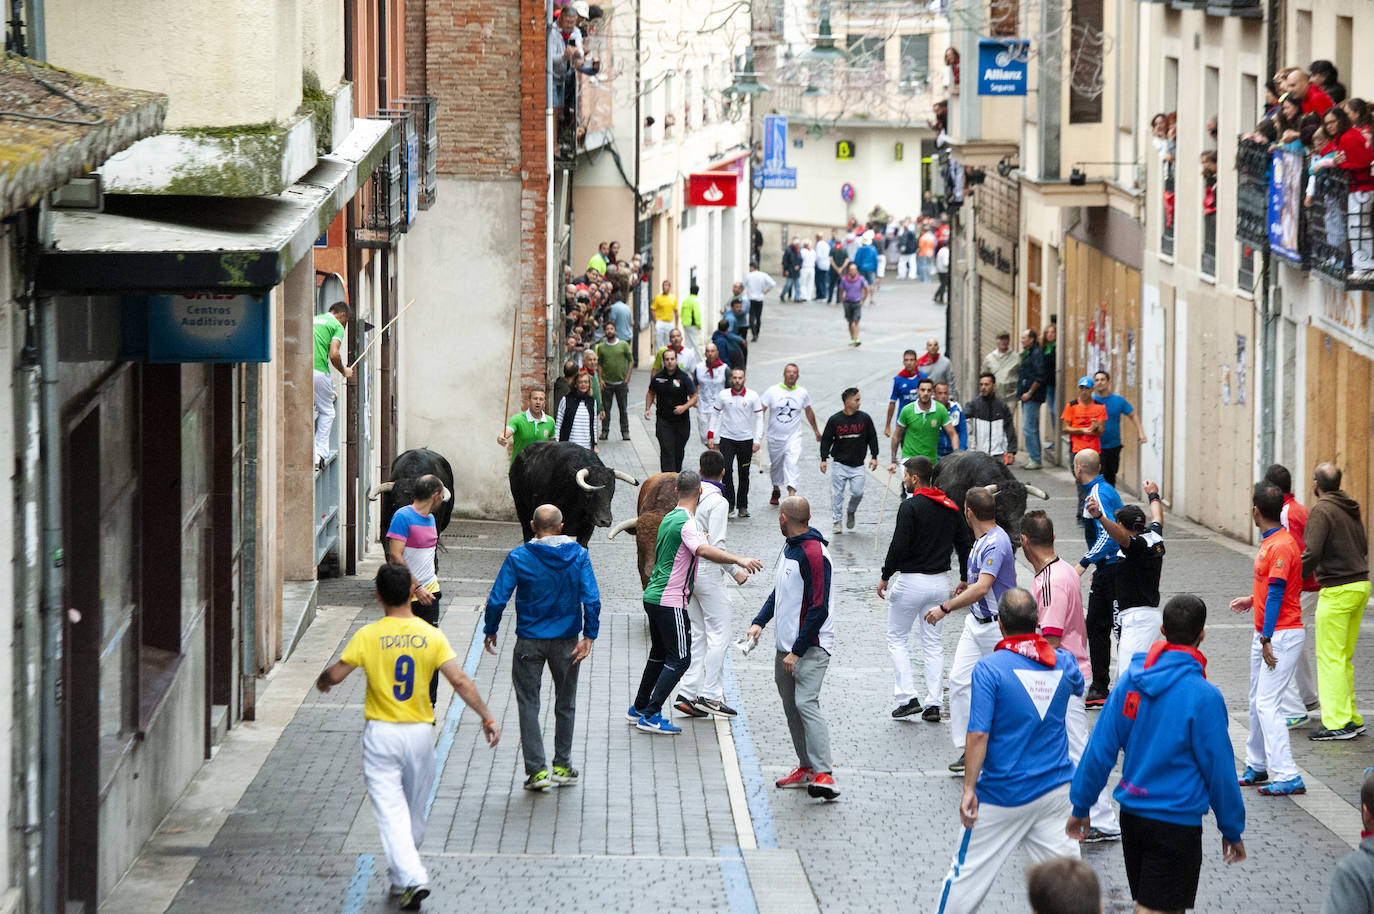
x: 711, y: 189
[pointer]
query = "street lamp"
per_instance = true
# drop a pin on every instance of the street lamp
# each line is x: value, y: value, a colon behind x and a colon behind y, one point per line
x: 747, y: 85
x: 824, y: 50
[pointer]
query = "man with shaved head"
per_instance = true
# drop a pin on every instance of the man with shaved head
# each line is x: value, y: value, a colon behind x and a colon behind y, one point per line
x: 556, y: 597
x: 802, y: 601
x: 1104, y: 553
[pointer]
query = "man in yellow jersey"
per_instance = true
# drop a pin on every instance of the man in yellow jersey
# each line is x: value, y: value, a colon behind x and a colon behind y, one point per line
x: 398, y: 654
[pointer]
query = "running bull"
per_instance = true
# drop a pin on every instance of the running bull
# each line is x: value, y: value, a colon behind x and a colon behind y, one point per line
x: 963, y: 470
x: 572, y: 478
x: 657, y: 497
x: 406, y: 470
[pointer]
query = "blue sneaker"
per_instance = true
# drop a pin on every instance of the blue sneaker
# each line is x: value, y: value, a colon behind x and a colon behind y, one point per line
x: 1291, y: 722
x: 657, y: 724
x: 1252, y: 778
x: 632, y: 715
x: 1284, y: 788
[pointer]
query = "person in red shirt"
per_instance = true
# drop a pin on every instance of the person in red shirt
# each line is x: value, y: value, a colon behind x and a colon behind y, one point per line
x: 1278, y: 639
x: 1352, y: 153
x: 1302, y: 691
x: 1299, y: 85
x: 1083, y: 420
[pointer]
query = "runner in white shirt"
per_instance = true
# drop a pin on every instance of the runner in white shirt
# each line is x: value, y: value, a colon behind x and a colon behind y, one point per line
x: 711, y: 376
x: 756, y: 285
x: 784, y: 405
x: 737, y: 432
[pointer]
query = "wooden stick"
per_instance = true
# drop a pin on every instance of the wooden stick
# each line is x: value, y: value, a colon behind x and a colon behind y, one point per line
x: 510, y: 372
x: 379, y: 335
x: 887, y: 490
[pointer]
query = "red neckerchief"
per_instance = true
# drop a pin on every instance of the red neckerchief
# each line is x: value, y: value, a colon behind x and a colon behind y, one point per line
x: 1031, y: 646
x: 1366, y: 834
x: 742, y: 392
x: 711, y: 369
x: 903, y: 374
x: 1159, y: 647
x: 927, y: 359
x: 935, y: 495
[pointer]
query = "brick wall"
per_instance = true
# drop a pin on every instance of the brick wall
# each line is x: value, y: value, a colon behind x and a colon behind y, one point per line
x: 534, y: 192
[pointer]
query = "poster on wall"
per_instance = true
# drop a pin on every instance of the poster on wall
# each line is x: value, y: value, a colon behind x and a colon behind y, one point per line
x: 1285, y: 204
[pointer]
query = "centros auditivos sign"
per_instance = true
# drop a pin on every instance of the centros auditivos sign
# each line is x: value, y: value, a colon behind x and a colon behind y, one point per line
x: 1002, y: 66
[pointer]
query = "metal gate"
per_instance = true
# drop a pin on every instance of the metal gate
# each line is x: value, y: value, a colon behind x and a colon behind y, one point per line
x: 995, y: 315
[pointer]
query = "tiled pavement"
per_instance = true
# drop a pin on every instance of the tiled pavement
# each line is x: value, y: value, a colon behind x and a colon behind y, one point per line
x: 653, y: 825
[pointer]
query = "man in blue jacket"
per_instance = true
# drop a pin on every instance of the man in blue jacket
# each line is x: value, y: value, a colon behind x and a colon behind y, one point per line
x: 555, y: 597
x: 1172, y: 724
x: 1105, y: 554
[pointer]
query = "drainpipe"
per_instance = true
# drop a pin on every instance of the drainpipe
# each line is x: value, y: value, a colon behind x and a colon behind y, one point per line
x: 1268, y: 304
x: 351, y: 268
x: 381, y: 54
x: 634, y: 216
x: 248, y: 660
x: 50, y: 717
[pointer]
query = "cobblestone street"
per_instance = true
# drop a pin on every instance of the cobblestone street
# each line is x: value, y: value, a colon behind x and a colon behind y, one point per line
x: 693, y: 823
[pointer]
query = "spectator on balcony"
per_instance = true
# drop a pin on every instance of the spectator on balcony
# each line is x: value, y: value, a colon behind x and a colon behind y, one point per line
x: 613, y: 252
x: 1359, y: 111
x: 1324, y: 75
x: 1350, y: 152
x: 1272, y: 94
x: 952, y: 61
x: 1209, y: 182
x: 1212, y: 127
x: 1312, y: 98
x: 1159, y: 133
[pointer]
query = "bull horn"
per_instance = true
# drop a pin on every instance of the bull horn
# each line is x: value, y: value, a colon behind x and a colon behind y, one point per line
x: 625, y: 477
x: 1037, y: 492
x: 622, y: 527
x: 582, y: 481
x: 992, y: 489
x: 379, y: 489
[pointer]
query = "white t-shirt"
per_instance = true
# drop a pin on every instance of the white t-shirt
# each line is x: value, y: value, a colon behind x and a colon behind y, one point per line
x: 786, y: 411
x: 710, y: 382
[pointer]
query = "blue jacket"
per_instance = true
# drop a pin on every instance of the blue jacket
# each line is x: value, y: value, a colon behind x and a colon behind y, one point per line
x: 866, y: 258
x: 554, y: 589
x: 1172, y: 723
x: 1104, y: 549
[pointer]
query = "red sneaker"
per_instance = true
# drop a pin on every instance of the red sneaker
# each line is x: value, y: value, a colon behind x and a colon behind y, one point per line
x: 798, y: 778
x: 823, y: 786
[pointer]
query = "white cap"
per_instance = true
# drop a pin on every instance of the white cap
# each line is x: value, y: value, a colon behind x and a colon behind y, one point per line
x: 581, y: 9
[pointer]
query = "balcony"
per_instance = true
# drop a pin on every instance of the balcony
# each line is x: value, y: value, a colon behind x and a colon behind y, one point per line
x: 425, y: 108
x: 1341, y: 239
x: 383, y: 199
x: 1252, y: 193
x: 1245, y: 9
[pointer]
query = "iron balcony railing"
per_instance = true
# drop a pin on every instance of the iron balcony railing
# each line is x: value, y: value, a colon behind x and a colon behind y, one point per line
x: 1253, y: 161
x: 1339, y: 234
x: 383, y: 199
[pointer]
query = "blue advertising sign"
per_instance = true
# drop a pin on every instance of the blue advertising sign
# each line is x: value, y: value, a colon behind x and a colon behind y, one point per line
x: 775, y: 173
x: 1002, y: 66
x: 1285, y: 204
x: 205, y: 327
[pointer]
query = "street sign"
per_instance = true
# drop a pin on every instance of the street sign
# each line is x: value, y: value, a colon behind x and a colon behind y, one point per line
x: 898, y: 151
x: 202, y: 327
x: 782, y: 179
x: 847, y: 192
x: 775, y: 174
x: 1002, y: 66
x: 844, y: 149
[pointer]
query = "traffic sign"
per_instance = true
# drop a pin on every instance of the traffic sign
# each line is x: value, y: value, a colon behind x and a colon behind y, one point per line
x: 847, y: 192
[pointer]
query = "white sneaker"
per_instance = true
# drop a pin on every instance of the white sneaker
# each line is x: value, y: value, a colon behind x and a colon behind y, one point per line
x: 838, y: 528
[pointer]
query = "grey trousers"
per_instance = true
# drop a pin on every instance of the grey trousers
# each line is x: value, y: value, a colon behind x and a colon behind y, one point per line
x: 801, y: 702
x: 527, y: 673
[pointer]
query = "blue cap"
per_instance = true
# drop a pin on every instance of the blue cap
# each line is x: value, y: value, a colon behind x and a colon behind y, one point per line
x: 1085, y: 381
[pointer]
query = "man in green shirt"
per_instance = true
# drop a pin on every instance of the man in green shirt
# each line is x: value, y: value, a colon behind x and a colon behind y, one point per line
x: 329, y: 338
x: 691, y: 317
x: 919, y: 425
x: 617, y: 364
x: 523, y: 429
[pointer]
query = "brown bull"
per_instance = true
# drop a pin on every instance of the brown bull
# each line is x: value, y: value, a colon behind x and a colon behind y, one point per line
x: 657, y: 496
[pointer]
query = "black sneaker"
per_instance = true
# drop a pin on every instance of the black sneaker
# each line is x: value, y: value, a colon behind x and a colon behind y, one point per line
x: 687, y: 706
x: 624, y: 436
x: 1358, y: 728
x: 412, y: 896
x: 743, y: 512
x: 957, y: 766
x: 605, y: 435
x: 716, y: 708
x: 1349, y: 731
x: 932, y: 714
x: 908, y: 709
x: 1094, y: 700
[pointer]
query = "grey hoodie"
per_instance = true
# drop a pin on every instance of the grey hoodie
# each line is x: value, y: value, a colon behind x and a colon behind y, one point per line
x: 1334, y: 542
x: 1352, y: 885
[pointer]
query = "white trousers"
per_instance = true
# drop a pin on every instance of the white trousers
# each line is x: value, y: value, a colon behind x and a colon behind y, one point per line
x: 661, y: 331
x: 782, y: 461
x: 1139, y: 629
x: 906, y: 266
x: 324, y: 413
x: 1268, y: 748
x: 882, y: 266
x: 976, y: 641
x: 1038, y: 826
x: 709, y: 610
x: 1302, y: 690
x: 1102, y: 815
x: 911, y: 595
x: 806, y: 284
x: 840, y: 475
x: 398, y: 765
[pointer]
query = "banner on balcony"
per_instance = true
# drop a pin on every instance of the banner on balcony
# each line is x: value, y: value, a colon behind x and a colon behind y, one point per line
x: 711, y: 189
x: 1285, y: 205
x: 1002, y: 66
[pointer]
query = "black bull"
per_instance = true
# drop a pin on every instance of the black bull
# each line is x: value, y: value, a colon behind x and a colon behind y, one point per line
x: 570, y: 477
x: 406, y: 470
x: 964, y: 470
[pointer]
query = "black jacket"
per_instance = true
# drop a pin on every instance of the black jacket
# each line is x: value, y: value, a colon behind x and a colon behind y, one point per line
x: 1033, y: 369
x: 927, y: 530
x: 907, y: 244
x: 791, y: 262
x: 847, y: 437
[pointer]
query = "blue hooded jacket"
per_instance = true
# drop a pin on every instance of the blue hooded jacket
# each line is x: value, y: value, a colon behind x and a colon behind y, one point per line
x: 1172, y: 723
x: 554, y: 588
x: 866, y: 258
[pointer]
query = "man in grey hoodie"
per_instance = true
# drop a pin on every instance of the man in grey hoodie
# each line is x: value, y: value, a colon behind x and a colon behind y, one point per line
x: 1336, y: 550
x: 1352, y: 885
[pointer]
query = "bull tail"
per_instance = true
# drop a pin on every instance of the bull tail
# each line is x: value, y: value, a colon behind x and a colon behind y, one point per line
x: 623, y: 527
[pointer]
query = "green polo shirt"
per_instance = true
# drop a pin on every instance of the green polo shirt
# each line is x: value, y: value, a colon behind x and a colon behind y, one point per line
x: 614, y: 360
x: 327, y: 329
x: 922, y: 437
x: 528, y: 430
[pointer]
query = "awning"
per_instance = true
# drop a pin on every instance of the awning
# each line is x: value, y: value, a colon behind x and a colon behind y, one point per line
x: 58, y: 125
x: 244, y: 245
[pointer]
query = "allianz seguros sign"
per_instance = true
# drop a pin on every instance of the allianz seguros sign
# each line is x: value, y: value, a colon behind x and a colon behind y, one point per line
x: 198, y: 327
x: 1002, y: 66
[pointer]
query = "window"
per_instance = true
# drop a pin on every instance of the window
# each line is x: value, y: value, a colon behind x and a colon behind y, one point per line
x: 687, y: 99
x: 1002, y: 18
x: 706, y: 102
x: 1033, y: 280
x: 867, y: 51
x: 1086, y: 63
x: 1211, y: 83
x: 1166, y: 156
x: 1245, y: 274
x: 915, y: 63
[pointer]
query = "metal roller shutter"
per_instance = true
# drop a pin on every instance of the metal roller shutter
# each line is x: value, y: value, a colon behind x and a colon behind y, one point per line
x: 995, y: 315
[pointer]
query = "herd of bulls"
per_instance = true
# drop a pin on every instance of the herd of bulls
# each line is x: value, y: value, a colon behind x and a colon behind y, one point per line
x: 574, y: 479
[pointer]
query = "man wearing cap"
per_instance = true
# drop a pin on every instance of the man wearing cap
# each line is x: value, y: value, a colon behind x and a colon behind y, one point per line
x: 1083, y: 420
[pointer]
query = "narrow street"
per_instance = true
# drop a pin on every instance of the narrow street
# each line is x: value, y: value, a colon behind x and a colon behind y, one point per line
x: 279, y: 819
